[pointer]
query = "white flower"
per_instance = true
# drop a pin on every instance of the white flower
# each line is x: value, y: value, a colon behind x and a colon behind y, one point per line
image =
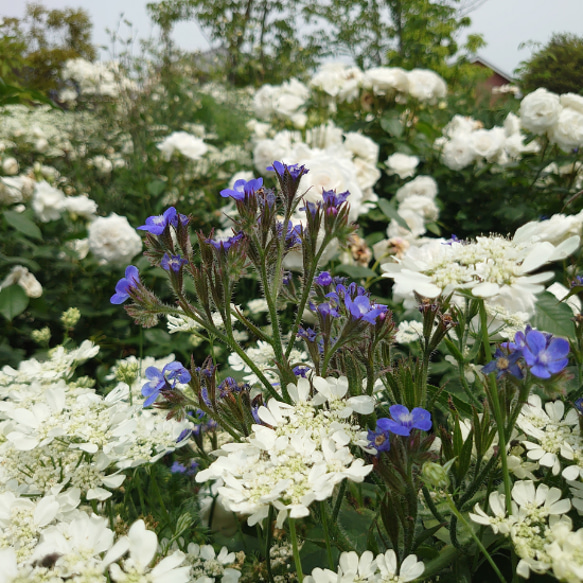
x: 457, y: 153
x: 487, y: 143
x: 362, y: 147
x: 426, y: 86
x: 207, y: 565
x: 402, y: 165
x: 81, y: 206
x: 25, y: 279
x: 338, y: 80
x: 410, y: 569
x: 539, y: 111
x: 421, y: 205
x: 409, y: 331
x: 47, y: 202
x: 10, y: 166
x: 567, y: 132
x: 419, y: 186
x: 113, y: 241
x: 188, y: 145
x: 386, y: 80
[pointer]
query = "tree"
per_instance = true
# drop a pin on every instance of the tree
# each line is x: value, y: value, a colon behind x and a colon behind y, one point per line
x: 34, y: 49
x: 260, y: 38
x: 558, y: 66
x: 405, y: 33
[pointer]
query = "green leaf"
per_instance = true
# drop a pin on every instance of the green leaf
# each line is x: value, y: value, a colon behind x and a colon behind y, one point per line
x: 392, y: 125
x: 553, y: 316
x: 390, y: 211
x: 356, y: 271
x: 13, y: 301
x: 23, y: 224
x: 156, y: 187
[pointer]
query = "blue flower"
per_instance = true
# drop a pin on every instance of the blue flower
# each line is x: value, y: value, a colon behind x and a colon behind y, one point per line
x: 178, y: 468
x: 243, y: 188
x: 174, y: 262
x: 332, y: 199
x: 165, y: 379
x: 505, y: 363
x: 362, y: 308
x: 577, y: 282
x: 125, y: 284
x: 379, y: 438
x: 579, y: 405
x: 157, y: 224
x: 295, y: 170
x: 227, y: 243
x: 402, y: 421
x: 545, y: 354
x: 324, y: 278
x: 301, y: 371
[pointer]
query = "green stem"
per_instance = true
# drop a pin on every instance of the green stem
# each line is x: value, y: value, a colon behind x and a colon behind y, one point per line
x: 496, y: 410
x: 296, y: 551
x: 478, y: 542
x: 268, y: 537
x: 324, y: 514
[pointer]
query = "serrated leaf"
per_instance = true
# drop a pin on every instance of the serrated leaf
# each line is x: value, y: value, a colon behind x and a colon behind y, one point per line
x: 390, y: 211
x: 23, y: 224
x: 13, y: 301
x: 553, y: 316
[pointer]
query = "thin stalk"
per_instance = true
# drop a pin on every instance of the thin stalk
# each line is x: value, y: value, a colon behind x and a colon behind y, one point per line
x: 268, y: 537
x: 478, y: 542
x: 324, y: 515
x: 496, y: 409
x: 296, y: 551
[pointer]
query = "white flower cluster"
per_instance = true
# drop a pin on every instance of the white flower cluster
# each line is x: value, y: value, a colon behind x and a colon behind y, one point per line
x: 369, y: 569
x: 58, y: 434
x: 113, y: 240
x: 53, y: 540
x: 551, y: 440
x: 343, y: 83
x: 493, y: 268
x: 559, y: 117
x: 94, y: 79
x: 336, y: 161
x: 186, y: 144
x: 297, y: 457
x: 286, y: 101
x: 541, y: 534
x: 465, y: 141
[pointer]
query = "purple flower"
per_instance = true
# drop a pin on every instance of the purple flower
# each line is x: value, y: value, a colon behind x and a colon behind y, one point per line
x: 545, y: 354
x: 579, y: 405
x: 362, y: 308
x: 577, y: 282
x: 379, y: 438
x: 307, y: 334
x: 174, y: 262
x: 327, y: 309
x: 301, y: 371
x: 125, y: 284
x: 157, y: 224
x: 332, y: 199
x: 243, y: 188
x: 402, y: 421
x: 505, y: 363
x: 178, y: 468
x: 227, y: 243
x: 165, y: 379
x: 324, y: 278
x: 295, y: 170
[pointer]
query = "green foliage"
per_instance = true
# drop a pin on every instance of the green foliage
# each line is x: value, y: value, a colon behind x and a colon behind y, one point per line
x: 34, y: 49
x: 256, y: 41
x: 558, y: 66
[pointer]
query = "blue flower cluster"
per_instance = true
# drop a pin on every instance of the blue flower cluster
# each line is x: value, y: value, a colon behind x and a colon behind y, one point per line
x: 543, y: 354
x: 163, y: 380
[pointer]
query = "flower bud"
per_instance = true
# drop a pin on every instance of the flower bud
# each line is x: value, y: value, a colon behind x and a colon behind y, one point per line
x: 70, y: 317
x: 436, y: 475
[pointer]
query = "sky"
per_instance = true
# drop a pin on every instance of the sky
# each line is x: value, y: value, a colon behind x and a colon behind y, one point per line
x: 505, y: 24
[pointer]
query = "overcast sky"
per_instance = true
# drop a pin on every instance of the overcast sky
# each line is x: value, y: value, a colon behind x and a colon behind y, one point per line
x: 505, y: 24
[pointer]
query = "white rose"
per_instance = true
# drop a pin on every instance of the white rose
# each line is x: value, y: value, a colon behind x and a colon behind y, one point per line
x: 362, y: 146
x: 414, y: 222
x: 187, y: 144
x: 573, y: 101
x: 402, y: 165
x: 386, y: 80
x: 426, y: 86
x: 487, y: 143
x: 21, y: 276
x: 266, y: 152
x: 81, y: 206
x: 113, y: 240
x: 323, y: 136
x: 102, y: 164
x: 330, y: 172
x: 457, y: 153
x: 15, y: 189
x: 555, y: 230
x: 460, y: 124
x: 511, y: 125
x: 10, y: 166
x: 420, y: 185
x: 567, y: 133
x: 338, y: 80
x: 422, y: 205
x: 48, y: 203
x: 539, y: 111
x: 366, y: 173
